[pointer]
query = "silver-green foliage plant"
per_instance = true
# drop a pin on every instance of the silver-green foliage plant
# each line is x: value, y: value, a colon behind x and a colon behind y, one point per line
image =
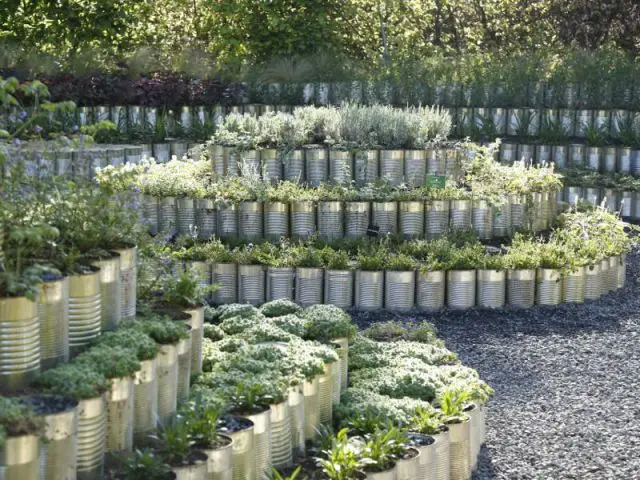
x: 236, y: 324
x: 291, y: 323
x: 278, y: 308
x: 241, y: 131
x: 328, y: 322
x: 213, y: 332
x: 266, y: 332
x: 234, y: 309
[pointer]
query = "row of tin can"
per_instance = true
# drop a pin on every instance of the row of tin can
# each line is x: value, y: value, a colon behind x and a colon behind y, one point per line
x: 404, y: 290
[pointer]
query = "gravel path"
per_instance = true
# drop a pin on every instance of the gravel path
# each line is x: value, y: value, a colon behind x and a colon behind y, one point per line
x: 567, y: 382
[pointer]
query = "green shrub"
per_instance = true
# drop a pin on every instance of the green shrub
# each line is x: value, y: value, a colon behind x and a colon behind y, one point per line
x: 307, y: 363
x: 232, y: 345
x: 383, y: 448
x: 364, y: 422
x: 324, y: 352
x: 400, y: 262
x: 385, y: 331
x: 247, y: 392
x: 334, y: 259
x: 452, y: 404
x: 175, y: 442
x: 427, y: 421
x: 341, y: 458
x: 372, y: 260
x: 429, y: 354
x: 423, y: 333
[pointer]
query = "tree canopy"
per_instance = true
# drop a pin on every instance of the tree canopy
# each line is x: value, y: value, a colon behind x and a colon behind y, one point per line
x: 226, y: 36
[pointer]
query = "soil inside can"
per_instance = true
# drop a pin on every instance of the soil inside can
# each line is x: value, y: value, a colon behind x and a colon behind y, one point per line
x: 410, y: 453
x: 49, y: 404
x: 232, y: 424
x: 254, y: 411
x: 220, y: 442
x: 51, y: 277
x: 420, y: 440
x: 83, y: 269
x: 376, y: 469
x: 175, y: 312
x: 193, y: 458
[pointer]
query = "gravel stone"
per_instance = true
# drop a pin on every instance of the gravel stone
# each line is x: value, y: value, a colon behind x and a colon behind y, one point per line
x: 567, y: 383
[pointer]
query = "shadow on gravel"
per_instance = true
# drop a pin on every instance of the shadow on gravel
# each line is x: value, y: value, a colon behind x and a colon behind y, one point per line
x: 485, y: 465
x: 606, y: 314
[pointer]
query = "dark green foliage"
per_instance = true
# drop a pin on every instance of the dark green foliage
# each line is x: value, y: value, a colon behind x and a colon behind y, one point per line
x: 143, y: 465
x: 292, y: 41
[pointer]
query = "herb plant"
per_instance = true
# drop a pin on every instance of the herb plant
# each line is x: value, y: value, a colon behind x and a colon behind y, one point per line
x: 275, y: 475
x: 249, y: 399
x: 452, y: 403
x: 427, y: 421
x: 343, y: 460
x: 382, y: 449
x: 144, y: 464
x: 202, y: 420
x: 175, y: 442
